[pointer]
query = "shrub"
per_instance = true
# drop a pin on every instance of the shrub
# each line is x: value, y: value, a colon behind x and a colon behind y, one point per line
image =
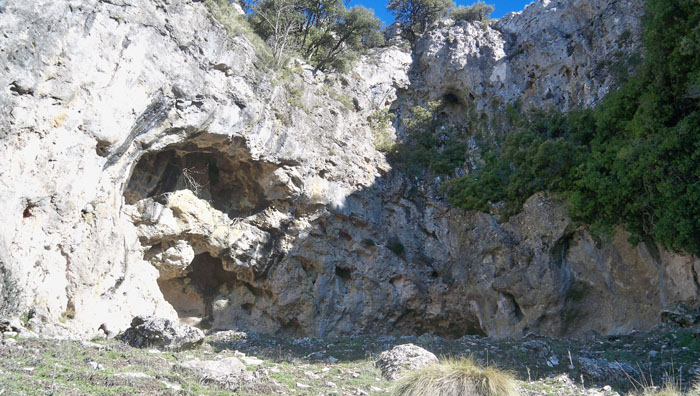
x: 323, y: 32
x: 477, y: 12
x: 428, y: 144
x: 379, y: 123
x: 395, y: 246
x: 540, y: 154
x: 368, y: 242
x: 456, y: 377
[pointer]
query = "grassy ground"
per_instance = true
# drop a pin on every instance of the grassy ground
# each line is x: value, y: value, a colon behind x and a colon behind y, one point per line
x: 341, y: 366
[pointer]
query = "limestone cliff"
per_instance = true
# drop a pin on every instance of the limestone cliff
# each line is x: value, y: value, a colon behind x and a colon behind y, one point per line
x: 152, y: 164
x: 555, y: 53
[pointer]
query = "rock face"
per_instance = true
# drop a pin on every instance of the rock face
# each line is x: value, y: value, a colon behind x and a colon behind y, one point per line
x: 111, y: 103
x: 555, y: 53
x: 146, y: 332
x: 158, y: 167
x: 395, y: 362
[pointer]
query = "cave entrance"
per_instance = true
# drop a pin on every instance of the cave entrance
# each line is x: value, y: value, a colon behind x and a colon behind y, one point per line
x: 455, y: 106
x: 191, y: 295
x: 221, y: 173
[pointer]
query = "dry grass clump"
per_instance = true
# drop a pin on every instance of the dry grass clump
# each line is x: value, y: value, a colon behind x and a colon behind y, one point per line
x: 456, y: 378
x: 666, y: 390
x: 671, y: 387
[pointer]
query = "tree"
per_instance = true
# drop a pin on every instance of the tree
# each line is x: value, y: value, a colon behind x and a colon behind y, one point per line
x: 478, y: 11
x: 323, y: 32
x: 319, y: 18
x: 417, y: 15
x: 276, y: 21
x: 355, y: 30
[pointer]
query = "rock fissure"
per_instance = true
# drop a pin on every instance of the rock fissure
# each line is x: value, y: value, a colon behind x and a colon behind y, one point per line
x: 152, y: 116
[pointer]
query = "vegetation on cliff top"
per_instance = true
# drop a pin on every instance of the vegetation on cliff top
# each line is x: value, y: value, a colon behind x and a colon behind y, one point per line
x: 322, y: 32
x: 326, y: 33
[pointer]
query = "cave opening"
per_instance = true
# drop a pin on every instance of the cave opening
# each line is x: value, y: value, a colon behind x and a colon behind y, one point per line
x: 191, y: 295
x: 193, y: 278
x: 228, y: 179
x: 451, y: 98
x: 411, y: 322
x: 455, y: 106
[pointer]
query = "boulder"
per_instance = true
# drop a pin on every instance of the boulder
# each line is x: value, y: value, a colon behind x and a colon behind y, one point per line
x: 229, y: 372
x: 602, y: 369
x: 150, y: 331
x: 681, y: 315
x: 403, y: 357
x: 12, y: 325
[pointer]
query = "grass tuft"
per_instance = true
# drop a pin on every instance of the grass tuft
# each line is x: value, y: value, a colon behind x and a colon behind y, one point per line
x: 456, y: 377
x: 669, y: 389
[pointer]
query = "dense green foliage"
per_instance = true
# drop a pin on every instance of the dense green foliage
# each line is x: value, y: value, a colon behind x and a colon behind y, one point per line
x: 423, y: 148
x: 478, y: 11
x: 417, y: 15
x: 324, y: 32
x: 633, y: 161
x: 539, y: 155
x: 379, y: 123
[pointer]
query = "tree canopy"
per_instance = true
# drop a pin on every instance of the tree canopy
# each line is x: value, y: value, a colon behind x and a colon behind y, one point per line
x: 478, y: 11
x: 417, y: 15
x: 324, y: 32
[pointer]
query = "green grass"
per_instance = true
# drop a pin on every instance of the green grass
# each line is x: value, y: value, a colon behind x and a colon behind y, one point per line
x: 347, y: 362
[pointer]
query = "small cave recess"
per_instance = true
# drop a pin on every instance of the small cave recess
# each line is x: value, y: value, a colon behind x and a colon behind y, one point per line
x: 209, y: 297
x: 455, y: 108
x: 219, y: 172
x: 191, y: 295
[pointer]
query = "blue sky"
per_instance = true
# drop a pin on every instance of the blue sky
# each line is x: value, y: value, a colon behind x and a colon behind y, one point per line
x: 502, y: 7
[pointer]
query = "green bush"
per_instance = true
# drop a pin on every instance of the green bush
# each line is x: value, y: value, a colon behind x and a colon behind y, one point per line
x: 379, y: 123
x: 323, y: 32
x: 539, y: 155
x: 417, y: 15
x: 395, y: 246
x: 428, y: 143
x: 477, y: 12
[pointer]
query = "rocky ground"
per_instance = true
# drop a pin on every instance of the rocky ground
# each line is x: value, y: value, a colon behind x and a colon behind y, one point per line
x: 256, y: 364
